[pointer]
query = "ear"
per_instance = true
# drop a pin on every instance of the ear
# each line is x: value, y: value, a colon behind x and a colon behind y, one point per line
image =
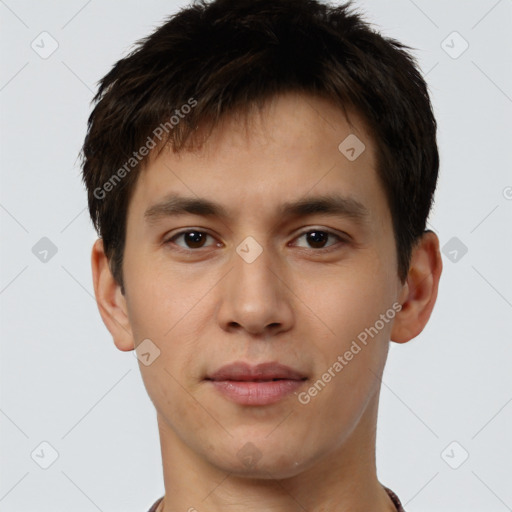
x: 111, y: 301
x: 419, y: 293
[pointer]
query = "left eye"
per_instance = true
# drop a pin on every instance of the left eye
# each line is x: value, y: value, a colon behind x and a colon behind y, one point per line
x: 318, y: 237
x: 194, y: 239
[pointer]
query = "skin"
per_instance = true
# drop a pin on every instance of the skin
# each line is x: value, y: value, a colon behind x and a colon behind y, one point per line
x: 206, y: 306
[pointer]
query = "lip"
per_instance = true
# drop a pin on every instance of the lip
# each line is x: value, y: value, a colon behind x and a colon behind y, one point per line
x: 263, y: 384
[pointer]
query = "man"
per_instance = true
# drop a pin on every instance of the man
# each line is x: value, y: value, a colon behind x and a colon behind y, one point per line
x: 260, y: 174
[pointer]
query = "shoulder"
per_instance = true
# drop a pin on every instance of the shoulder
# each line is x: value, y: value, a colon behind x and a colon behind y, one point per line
x: 394, y: 499
x: 155, y: 505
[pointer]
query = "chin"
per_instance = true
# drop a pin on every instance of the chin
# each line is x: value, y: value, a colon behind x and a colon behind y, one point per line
x: 260, y: 459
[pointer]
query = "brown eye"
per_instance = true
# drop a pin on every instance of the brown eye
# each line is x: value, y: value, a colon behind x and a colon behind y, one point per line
x: 317, y: 238
x: 193, y: 239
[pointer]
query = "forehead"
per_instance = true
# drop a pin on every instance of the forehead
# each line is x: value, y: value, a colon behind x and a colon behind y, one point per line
x: 297, y: 146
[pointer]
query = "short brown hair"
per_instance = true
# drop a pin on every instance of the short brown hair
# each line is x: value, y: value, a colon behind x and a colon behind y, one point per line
x: 227, y: 56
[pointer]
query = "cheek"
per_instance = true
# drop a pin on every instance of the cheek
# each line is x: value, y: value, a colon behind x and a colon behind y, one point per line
x: 173, y: 321
x: 157, y: 302
x: 347, y: 304
x: 353, y: 330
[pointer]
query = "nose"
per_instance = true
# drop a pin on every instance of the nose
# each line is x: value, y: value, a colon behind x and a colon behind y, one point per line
x: 256, y: 296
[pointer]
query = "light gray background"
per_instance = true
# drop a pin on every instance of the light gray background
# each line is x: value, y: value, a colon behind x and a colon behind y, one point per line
x: 64, y: 382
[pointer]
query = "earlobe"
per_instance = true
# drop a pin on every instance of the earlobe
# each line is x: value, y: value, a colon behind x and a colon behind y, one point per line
x: 419, y: 293
x: 110, y: 300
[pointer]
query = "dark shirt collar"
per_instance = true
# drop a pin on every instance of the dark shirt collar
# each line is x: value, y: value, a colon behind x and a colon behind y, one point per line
x: 391, y: 494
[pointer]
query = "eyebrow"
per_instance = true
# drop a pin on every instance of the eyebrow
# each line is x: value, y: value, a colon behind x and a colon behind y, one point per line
x: 174, y: 205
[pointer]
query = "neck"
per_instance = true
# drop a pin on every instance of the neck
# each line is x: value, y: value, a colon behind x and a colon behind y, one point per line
x: 343, y: 479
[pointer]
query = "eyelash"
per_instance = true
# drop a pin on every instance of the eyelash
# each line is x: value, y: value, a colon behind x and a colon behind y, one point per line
x: 342, y: 240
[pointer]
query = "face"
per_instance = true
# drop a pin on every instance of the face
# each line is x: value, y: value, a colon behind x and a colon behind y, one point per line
x: 253, y: 277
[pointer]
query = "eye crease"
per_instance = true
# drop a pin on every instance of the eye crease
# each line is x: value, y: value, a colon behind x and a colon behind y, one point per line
x: 194, y: 238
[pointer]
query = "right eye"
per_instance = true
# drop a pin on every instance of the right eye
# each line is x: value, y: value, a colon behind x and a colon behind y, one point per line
x: 192, y: 238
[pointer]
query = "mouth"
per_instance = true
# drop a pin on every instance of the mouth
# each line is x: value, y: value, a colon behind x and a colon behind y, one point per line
x: 263, y: 384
